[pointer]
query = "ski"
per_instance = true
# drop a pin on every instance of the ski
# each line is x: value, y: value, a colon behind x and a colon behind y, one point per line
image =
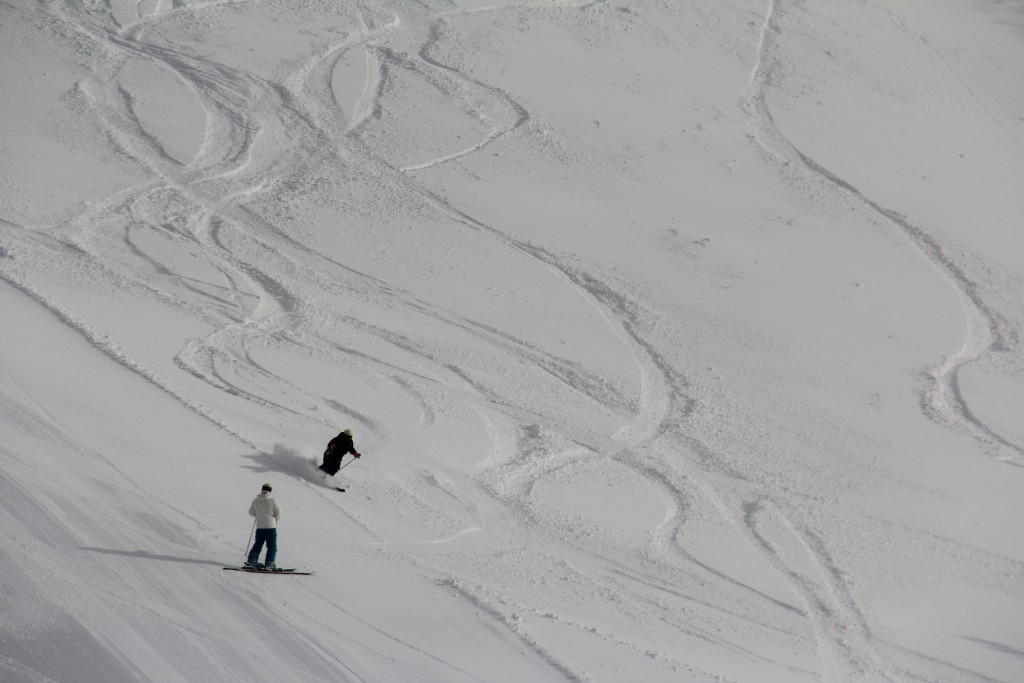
x: 250, y: 570
x: 325, y: 475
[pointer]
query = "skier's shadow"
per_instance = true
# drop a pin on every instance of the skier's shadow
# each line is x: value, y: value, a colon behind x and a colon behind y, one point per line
x: 283, y: 460
x: 998, y: 647
x: 146, y: 555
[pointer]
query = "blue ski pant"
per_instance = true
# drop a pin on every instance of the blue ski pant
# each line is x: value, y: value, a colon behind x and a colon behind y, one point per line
x: 268, y: 536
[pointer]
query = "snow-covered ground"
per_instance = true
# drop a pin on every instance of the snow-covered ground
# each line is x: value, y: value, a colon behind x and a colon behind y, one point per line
x: 683, y: 341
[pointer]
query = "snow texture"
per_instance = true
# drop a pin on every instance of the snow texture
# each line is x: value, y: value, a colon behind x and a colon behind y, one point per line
x: 683, y: 341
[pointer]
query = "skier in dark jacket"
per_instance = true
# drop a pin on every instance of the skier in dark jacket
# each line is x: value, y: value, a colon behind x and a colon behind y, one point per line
x: 336, y: 450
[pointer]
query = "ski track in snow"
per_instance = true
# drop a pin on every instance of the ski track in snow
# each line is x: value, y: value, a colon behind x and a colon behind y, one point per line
x: 943, y: 400
x: 262, y: 136
x: 217, y: 161
x: 847, y: 649
x: 259, y: 308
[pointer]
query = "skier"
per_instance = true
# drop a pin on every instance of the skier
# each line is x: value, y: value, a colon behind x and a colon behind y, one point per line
x: 266, y: 511
x: 336, y: 450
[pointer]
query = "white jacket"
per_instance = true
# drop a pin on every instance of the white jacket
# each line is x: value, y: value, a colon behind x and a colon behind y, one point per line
x: 266, y: 511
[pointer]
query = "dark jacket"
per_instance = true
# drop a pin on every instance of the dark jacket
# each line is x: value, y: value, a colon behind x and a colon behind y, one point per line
x: 336, y: 450
x: 342, y: 444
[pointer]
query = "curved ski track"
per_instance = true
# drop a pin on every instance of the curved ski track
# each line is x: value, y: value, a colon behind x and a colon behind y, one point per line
x: 985, y: 337
x: 201, y: 206
x: 847, y: 648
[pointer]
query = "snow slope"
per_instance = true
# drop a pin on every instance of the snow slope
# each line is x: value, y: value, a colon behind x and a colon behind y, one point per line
x: 683, y: 341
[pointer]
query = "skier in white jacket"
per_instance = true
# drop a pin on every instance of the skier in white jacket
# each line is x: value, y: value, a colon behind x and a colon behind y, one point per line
x: 266, y: 511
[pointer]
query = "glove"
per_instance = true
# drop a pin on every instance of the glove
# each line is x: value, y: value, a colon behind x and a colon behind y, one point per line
x: 358, y: 455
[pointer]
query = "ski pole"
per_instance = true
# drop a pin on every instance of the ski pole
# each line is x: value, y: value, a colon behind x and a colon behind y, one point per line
x: 249, y: 542
x: 346, y: 464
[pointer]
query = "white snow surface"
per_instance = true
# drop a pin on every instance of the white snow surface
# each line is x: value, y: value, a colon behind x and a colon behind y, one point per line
x: 683, y: 341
